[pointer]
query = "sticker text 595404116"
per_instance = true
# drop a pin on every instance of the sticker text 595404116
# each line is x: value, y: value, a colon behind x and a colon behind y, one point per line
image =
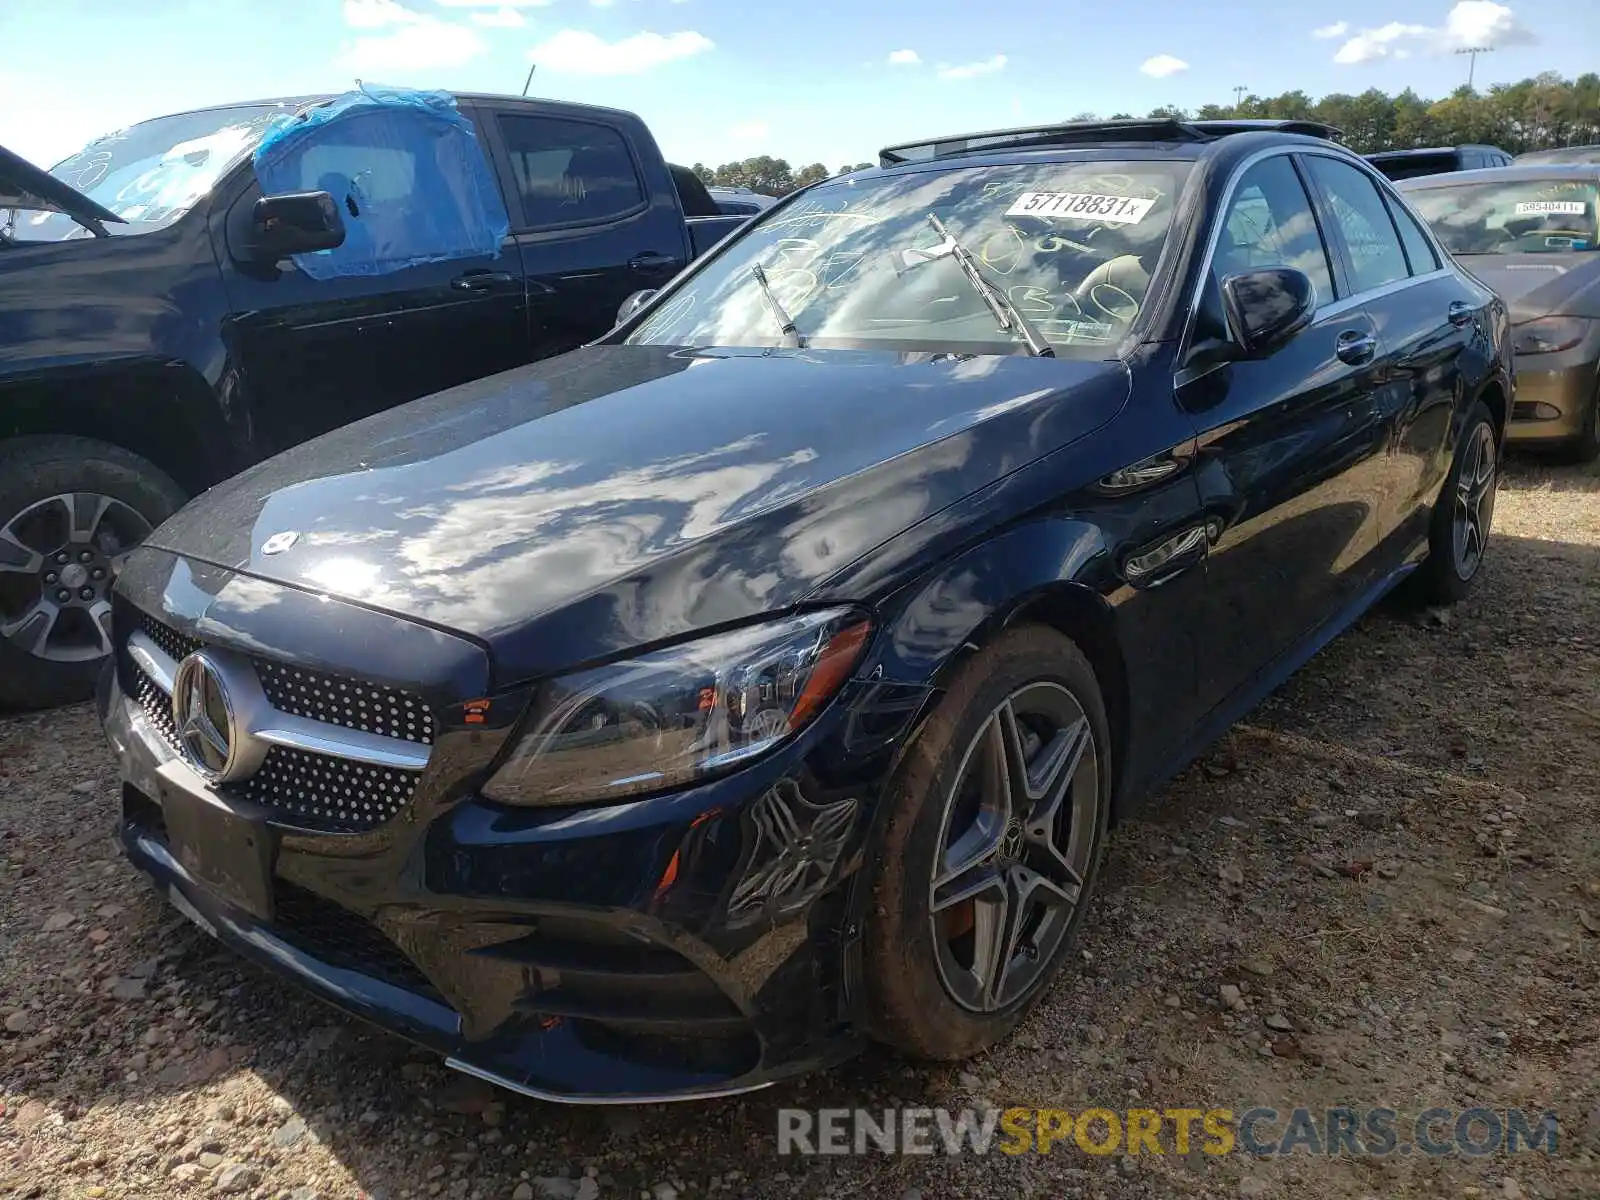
x: 1558, y: 208
x: 1082, y: 206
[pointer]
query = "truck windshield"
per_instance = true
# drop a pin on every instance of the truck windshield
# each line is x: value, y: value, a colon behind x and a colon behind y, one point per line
x: 858, y: 265
x: 152, y: 173
x: 1519, y: 216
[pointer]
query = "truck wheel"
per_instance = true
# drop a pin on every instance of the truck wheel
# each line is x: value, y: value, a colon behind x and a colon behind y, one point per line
x: 992, y: 848
x: 70, y: 509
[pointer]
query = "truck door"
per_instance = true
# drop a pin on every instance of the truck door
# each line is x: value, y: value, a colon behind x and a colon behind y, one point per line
x: 311, y: 354
x: 594, y: 215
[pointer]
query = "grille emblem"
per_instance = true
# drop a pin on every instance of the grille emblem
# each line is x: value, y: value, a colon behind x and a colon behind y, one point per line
x: 203, y: 717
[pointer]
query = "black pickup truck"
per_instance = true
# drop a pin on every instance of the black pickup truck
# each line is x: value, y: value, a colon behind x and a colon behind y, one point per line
x: 157, y: 336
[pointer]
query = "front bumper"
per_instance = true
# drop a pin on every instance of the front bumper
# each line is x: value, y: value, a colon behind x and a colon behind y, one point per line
x: 688, y: 945
x: 1555, y: 393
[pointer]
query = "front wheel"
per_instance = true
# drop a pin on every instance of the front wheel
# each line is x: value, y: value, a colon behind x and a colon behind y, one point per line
x: 70, y: 510
x: 1585, y: 448
x: 1458, y: 536
x: 991, y: 849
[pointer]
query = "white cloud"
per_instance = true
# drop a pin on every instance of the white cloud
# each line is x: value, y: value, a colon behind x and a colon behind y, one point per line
x: 500, y: 18
x: 495, y: 3
x: 904, y: 58
x: 1469, y: 23
x: 409, y: 40
x: 1484, y: 23
x: 1162, y: 65
x: 579, y: 52
x: 1371, y: 44
x: 1337, y: 29
x: 972, y: 70
x: 377, y: 14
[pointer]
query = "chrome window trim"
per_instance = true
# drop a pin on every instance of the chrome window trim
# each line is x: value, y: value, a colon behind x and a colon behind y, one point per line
x: 1334, y: 306
x: 269, y: 726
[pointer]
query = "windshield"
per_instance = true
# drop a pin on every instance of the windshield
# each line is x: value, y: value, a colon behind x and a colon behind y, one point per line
x: 1523, y: 216
x: 859, y: 265
x: 152, y: 173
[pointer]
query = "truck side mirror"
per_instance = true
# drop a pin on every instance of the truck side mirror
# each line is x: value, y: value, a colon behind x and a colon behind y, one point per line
x: 295, y: 223
x: 634, y: 303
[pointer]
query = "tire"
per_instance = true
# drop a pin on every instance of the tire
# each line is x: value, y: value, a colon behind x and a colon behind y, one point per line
x: 1585, y: 448
x: 93, y: 502
x: 1442, y: 578
x: 914, y: 967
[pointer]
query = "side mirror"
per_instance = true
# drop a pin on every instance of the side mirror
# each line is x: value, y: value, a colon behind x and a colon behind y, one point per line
x: 634, y: 303
x: 1268, y: 307
x: 295, y: 223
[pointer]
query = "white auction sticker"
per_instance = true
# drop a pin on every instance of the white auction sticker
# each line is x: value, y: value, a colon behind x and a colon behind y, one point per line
x: 1563, y: 208
x: 1082, y: 206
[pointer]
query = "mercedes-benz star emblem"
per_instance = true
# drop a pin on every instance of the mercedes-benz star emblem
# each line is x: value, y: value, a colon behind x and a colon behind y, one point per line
x: 202, y: 715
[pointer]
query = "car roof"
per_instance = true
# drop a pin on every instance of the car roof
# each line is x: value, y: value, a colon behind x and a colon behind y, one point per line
x: 1155, y: 131
x: 1575, y: 171
x: 1426, y: 151
x: 307, y: 101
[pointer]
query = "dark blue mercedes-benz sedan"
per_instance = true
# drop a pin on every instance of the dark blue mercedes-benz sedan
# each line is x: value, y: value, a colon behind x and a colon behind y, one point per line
x: 680, y: 713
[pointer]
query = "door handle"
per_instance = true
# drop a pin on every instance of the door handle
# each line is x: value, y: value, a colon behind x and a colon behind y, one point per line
x: 1355, y: 347
x: 480, y: 281
x: 1459, y: 312
x: 651, y: 261
x: 1166, y: 560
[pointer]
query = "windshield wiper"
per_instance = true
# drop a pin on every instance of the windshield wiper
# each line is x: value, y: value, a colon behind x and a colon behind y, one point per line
x: 1006, y: 314
x: 791, y: 335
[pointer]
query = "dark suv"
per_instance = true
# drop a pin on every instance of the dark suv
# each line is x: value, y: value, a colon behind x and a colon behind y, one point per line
x: 1412, y: 164
x: 676, y: 714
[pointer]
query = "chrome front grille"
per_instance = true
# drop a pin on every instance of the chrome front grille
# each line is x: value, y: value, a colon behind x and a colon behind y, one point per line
x: 346, y: 702
x: 345, y: 756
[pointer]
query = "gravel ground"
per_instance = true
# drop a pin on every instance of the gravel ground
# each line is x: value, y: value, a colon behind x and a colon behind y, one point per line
x: 1381, y: 889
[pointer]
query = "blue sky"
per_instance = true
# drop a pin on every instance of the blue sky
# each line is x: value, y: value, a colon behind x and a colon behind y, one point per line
x: 828, y: 80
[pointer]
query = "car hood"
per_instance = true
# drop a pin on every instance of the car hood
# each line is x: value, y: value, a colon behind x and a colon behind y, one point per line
x: 23, y: 185
x: 619, y: 495
x: 1537, y: 285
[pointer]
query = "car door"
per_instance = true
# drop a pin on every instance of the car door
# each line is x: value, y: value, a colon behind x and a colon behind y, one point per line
x: 1290, y: 446
x: 1425, y: 316
x: 589, y: 226
x: 311, y: 354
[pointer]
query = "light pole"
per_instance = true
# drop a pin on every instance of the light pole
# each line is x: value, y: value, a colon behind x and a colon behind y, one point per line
x: 1472, y: 53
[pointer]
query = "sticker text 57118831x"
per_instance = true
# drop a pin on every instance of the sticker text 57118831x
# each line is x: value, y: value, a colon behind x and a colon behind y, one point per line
x: 1082, y: 206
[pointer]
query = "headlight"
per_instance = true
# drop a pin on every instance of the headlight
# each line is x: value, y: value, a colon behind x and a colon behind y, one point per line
x: 678, y: 715
x: 1548, y: 334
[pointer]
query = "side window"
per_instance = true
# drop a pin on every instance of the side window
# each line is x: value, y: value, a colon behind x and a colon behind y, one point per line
x: 1418, y: 250
x: 1361, y: 216
x: 571, y: 172
x: 1269, y: 224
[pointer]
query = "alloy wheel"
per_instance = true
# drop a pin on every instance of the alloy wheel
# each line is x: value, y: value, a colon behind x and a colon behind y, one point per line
x: 1474, y: 502
x: 1015, y: 846
x: 59, y: 558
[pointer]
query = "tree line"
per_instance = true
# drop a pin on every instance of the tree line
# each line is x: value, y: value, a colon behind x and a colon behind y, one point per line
x: 1540, y: 113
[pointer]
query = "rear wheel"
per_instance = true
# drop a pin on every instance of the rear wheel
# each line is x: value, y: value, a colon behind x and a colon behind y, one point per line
x: 1458, y: 536
x: 992, y: 848
x: 70, y: 510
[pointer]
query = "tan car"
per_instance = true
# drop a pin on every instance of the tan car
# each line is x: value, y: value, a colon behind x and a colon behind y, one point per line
x: 1531, y: 234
